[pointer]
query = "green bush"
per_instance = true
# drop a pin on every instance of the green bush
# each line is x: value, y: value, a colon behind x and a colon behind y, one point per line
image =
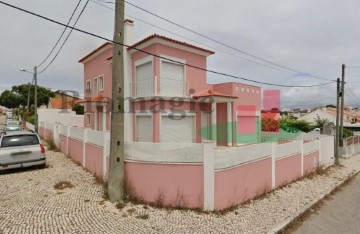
x: 347, y: 133
x: 31, y: 119
x: 291, y: 123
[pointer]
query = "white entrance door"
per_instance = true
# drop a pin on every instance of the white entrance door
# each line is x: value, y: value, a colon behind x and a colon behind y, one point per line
x: 177, y: 130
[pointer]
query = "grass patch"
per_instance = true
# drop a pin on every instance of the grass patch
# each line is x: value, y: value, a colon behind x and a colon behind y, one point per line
x: 63, y: 185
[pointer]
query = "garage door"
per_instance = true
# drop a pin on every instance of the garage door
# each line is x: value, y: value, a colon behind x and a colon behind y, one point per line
x: 177, y: 130
x: 144, y: 128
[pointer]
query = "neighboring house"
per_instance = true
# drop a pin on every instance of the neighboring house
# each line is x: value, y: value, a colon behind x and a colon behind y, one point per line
x: 62, y: 100
x: 329, y: 113
x: 167, y: 101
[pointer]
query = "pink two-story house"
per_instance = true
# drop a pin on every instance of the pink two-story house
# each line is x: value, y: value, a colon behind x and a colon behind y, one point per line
x: 166, y: 100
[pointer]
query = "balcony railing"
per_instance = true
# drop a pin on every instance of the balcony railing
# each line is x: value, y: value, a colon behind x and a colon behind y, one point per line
x: 161, y: 86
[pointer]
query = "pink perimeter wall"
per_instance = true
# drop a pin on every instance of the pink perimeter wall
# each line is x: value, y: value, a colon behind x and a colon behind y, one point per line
x: 62, y: 144
x: 287, y: 170
x: 48, y: 134
x: 76, y: 149
x: 309, y: 161
x: 174, y: 184
x: 94, y: 159
x: 236, y: 185
x: 41, y: 132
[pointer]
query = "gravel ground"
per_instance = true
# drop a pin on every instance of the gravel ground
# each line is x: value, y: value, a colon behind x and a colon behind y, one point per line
x: 30, y: 204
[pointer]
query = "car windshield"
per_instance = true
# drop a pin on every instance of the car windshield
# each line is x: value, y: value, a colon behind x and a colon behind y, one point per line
x: 19, y: 140
x: 13, y: 128
x: 12, y: 123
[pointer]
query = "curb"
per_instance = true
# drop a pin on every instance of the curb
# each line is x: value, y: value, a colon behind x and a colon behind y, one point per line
x: 288, y: 221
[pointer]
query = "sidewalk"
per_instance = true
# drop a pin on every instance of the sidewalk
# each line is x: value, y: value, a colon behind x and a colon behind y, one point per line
x: 351, y: 164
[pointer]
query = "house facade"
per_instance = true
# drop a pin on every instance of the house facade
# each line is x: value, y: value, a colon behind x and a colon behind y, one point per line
x: 167, y: 97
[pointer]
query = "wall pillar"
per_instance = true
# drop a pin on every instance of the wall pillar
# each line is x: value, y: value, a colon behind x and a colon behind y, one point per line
x: 301, y: 145
x: 273, y: 164
x: 209, y: 175
x: 104, y: 118
x: 229, y: 124
x: 85, y: 139
x: 213, y: 122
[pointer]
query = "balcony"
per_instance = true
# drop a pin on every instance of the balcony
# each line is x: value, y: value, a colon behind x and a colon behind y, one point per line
x: 156, y: 86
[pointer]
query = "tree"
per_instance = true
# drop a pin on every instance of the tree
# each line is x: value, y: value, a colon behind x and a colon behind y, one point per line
x: 319, y: 123
x: 10, y: 100
x: 79, y: 109
x: 330, y: 105
x: 18, y: 95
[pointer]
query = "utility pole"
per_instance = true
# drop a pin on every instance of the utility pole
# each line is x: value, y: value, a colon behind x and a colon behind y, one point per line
x: 116, y: 171
x: 35, y: 101
x: 337, y: 121
x: 28, y: 100
x: 342, y: 104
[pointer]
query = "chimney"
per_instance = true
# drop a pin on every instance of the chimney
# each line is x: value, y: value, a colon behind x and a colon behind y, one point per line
x: 128, y: 31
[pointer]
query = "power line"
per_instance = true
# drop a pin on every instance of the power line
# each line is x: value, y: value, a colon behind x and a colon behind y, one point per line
x: 158, y: 56
x: 52, y: 50
x: 66, y: 37
x: 219, y: 42
x: 189, y: 39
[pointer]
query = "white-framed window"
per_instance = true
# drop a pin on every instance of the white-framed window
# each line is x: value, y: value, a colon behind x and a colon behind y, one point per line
x: 144, y: 77
x: 88, y: 86
x: 172, y: 77
x: 96, y: 87
x: 101, y: 83
x: 144, y: 127
x: 88, y: 119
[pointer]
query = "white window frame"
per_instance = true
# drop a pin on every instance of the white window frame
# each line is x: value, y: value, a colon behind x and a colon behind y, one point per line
x: 188, y: 113
x: 88, y: 86
x: 101, y: 84
x: 148, y: 59
x: 96, y: 86
x: 88, y: 119
x: 139, y: 113
x: 183, y: 61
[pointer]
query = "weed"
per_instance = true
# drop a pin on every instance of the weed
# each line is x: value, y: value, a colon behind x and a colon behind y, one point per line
x: 143, y: 216
x: 120, y: 205
x: 131, y: 211
x: 51, y: 144
x: 63, y: 185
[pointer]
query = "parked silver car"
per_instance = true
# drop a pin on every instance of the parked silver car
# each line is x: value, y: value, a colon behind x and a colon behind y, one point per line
x: 21, y: 149
x: 11, y: 128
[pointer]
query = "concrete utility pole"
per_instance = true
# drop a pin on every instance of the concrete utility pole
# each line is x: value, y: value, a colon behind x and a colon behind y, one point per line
x: 337, y: 121
x: 116, y: 171
x: 342, y: 104
x: 35, y: 101
x: 28, y: 100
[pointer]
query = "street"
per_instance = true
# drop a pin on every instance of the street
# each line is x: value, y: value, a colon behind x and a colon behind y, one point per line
x: 339, y: 214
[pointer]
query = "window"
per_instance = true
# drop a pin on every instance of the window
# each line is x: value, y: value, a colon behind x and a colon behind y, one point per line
x: 101, y: 83
x: 88, y: 86
x: 95, y: 86
x: 19, y: 140
x: 144, y: 128
x: 144, y: 79
x: 88, y: 119
x: 172, y: 79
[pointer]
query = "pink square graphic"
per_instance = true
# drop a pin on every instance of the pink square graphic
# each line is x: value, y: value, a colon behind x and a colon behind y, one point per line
x: 271, y: 100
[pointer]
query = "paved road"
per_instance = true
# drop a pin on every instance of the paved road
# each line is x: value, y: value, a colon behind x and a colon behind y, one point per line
x: 341, y: 214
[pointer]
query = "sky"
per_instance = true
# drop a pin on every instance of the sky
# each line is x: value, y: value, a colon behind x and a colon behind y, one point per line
x: 310, y: 37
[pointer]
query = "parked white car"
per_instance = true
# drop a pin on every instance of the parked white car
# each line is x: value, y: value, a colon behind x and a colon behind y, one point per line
x: 21, y: 149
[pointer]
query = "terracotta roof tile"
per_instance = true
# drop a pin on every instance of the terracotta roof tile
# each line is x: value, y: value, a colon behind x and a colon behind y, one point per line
x: 171, y: 40
x: 98, y: 99
x: 94, y: 51
x: 59, y: 103
x: 212, y: 93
